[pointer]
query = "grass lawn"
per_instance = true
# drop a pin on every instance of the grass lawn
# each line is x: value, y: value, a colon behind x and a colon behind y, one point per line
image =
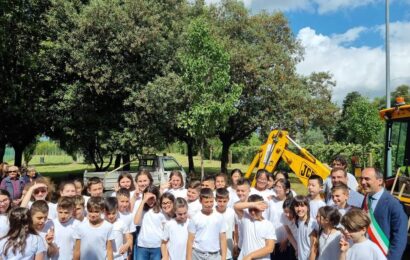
x: 59, y: 167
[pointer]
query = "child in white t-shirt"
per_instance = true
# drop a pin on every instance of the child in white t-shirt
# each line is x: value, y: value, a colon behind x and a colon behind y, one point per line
x: 64, y: 228
x: 194, y: 206
x: 152, y: 220
x: 222, y: 200
x: 243, y: 188
x: 79, y: 208
x: 356, y: 223
x: 221, y: 181
x: 120, y: 231
x: 123, y: 197
x: 44, y: 226
x: 282, y: 190
x: 175, y: 234
x: 124, y: 181
x: 94, y: 237
x: 5, y: 206
x: 328, y: 219
x: 34, y: 247
x: 258, y: 233
x: 206, y: 231
x: 306, y: 237
x: 176, y: 185
x: 340, y: 196
x: 288, y: 219
x: 315, y: 188
x: 236, y: 175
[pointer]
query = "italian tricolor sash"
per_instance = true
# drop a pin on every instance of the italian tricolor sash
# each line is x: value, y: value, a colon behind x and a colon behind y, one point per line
x: 376, y: 234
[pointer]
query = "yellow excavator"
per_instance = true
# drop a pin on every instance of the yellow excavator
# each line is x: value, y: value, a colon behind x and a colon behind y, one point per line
x: 397, y: 143
x: 304, y: 164
x: 275, y: 149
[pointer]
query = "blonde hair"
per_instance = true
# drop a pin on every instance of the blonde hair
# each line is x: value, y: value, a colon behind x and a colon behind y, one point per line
x: 355, y: 220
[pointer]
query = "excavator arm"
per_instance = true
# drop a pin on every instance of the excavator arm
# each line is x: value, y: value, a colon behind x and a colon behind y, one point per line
x: 276, y: 149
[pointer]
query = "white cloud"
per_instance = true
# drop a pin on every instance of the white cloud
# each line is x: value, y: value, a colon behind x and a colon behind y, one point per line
x: 319, y: 6
x: 356, y: 68
x: 326, y: 6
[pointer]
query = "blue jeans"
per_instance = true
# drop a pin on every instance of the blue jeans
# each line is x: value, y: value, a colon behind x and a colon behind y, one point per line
x: 144, y: 253
x: 134, y: 249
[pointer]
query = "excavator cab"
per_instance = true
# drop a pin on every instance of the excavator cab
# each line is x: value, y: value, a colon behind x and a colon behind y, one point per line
x: 397, y: 143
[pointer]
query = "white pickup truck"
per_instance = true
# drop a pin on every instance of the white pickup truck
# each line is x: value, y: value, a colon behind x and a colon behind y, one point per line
x: 159, y: 166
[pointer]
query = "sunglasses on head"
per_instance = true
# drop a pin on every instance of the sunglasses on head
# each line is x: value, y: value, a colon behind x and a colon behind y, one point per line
x: 41, y: 190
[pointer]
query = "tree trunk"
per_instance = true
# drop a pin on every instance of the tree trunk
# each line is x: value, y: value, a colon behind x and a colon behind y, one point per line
x: 125, y: 161
x: 18, y: 155
x: 191, y: 167
x: 225, y: 155
x: 117, y: 161
x: 202, y: 160
x: 2, y: 151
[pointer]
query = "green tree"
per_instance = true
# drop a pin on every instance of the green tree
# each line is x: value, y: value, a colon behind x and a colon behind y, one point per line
x: 341, y: 128
x: 362, y: 122
x: 205, y: 73
x: 111, y: 49
x: 25, y: 90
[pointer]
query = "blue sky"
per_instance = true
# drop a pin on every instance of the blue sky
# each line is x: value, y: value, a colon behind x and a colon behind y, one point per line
x: 346, y: 38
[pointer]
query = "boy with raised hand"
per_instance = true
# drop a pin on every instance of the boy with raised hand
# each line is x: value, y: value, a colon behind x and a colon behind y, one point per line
x: 94, y: 235
x: 315, y: 188
x: 258, y: 233
x: 64, y: 228
x: 222, y: 200
x: 206, y: 231
x: 340, y: 196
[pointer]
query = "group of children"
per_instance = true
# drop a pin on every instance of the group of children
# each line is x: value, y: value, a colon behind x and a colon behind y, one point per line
x: 208, y: 220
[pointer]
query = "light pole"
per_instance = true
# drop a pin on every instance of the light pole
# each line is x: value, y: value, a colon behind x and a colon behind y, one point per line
x: 388, y: 105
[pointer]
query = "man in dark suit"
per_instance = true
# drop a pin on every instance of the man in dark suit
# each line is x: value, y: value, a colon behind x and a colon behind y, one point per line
x: 387, y: 210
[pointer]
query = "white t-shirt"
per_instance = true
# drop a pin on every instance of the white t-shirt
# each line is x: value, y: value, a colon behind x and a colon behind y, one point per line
x: 34, y: 246
x: 193, y: 208
x: 229, y: 217
x: 233, y: 197
x: 329, y: 247
x: 178, y: 193
x: 128, y: 219
x: 303, y: 238
x: 152, y: 228
x: 64, y: 238
x: 275, y: 217
x: 4, y: 225
x: 265, y: 194
x: 119, y: 229
x: 47, y: 226
x: 93, y: 239
x: 177, y: 236
x: 314, y: 206
x: 291, y: 225
x: 255, y: 234
x: 366, y: 250
x: 344, y: 210
x: 207, y: 229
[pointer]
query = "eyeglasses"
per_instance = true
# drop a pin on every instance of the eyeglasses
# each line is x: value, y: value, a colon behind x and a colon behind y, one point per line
x: 37, y: 191
x: 12, y: 171
x: 4, y: 201
x: 166, y: 203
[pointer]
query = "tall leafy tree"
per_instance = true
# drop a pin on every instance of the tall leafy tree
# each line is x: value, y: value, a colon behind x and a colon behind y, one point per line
x: 24, y: 89
x: 205, y: 74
